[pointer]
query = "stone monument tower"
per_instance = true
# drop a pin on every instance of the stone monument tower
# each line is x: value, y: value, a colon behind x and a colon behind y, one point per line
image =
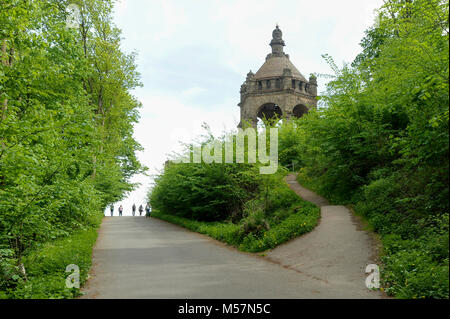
x: 277, y: 89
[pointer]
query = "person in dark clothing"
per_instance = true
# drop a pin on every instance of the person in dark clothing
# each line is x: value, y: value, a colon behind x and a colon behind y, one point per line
x: 112, y: 209
x: 120, y: 210
x: 134, y: 209
x: 147, y: 210
x: 141, y: 209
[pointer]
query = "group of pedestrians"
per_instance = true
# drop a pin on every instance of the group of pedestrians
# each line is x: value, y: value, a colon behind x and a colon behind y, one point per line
x: 133, y: 210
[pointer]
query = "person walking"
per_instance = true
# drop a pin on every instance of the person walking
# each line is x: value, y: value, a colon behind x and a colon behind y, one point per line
x: 120, y: 210
x: 112, y: 209
x: 134, y: 209
x: 147, y: 210
x: 141, y: 209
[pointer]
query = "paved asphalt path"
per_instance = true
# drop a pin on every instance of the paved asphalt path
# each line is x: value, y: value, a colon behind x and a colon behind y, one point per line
x: 138, y: 257
x: 337, y: 251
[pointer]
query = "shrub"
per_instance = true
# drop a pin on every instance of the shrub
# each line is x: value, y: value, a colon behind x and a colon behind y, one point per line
x: 254, y: 221
x: 301, y: 222
x: 409, y: 270
x: 208, y: 192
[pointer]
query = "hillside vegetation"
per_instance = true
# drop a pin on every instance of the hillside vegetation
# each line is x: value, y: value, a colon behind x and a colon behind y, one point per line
x: 66, y: 145
x: 381, y: 143
x: 233, y: 203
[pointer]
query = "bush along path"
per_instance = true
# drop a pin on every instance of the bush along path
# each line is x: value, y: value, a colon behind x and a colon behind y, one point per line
x: 336, y: 253
x: 232, y: 203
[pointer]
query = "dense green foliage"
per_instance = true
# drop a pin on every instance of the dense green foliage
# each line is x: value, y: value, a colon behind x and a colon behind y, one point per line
x: 381, y: 142
x: 231, y: 202
x: 66, y: 124
x: 46, y: 267
x: 205, y: 192
x: 257, y: 229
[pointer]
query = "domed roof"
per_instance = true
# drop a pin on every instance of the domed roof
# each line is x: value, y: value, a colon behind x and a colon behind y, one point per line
x: 274, y: 67
x: 277, y: 62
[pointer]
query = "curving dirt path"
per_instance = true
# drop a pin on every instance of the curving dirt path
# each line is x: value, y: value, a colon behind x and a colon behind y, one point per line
x: 138, y: 257
x: 336, y: 252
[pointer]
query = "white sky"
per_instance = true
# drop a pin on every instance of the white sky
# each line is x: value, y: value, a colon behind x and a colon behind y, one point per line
x: 194, y: 55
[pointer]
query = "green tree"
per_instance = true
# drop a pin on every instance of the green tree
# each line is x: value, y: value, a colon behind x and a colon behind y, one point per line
x: 66, y: 123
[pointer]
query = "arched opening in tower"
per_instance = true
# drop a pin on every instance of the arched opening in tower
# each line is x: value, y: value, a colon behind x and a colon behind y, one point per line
x: 269, y: 114
x: 299, y: 110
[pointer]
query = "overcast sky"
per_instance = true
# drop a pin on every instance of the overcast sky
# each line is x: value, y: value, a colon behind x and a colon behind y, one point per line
x: 193, y: 56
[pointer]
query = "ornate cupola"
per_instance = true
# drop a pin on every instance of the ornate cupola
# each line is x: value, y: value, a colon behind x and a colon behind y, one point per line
x: 277, y: 88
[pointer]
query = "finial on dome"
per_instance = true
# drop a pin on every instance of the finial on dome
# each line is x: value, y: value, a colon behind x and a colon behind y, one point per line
x: 277, y: 42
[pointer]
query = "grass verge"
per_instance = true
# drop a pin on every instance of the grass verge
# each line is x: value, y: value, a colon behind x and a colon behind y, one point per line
x: 303, y: 218
x: 46, y: 267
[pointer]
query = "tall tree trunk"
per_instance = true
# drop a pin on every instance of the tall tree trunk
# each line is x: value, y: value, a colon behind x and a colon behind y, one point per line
x: 100, y: 110
x: 5, y: 61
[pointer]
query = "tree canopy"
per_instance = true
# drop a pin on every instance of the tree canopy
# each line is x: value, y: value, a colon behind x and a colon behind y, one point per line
x: 66, y: 120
